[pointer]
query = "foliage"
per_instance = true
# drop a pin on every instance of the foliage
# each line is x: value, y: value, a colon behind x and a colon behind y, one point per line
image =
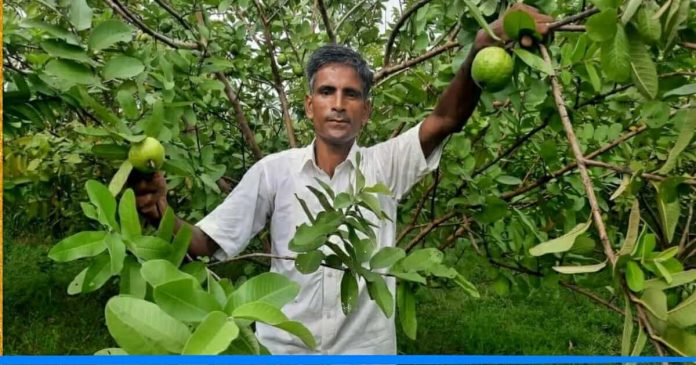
x: 85, y: 79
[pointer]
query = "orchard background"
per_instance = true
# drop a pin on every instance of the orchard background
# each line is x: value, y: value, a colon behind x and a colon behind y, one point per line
x: 567, y: 200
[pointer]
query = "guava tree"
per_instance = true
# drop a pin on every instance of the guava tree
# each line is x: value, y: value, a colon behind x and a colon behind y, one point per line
x: 578, y: 174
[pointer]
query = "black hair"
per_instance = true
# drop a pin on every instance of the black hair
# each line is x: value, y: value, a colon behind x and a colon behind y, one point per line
x: 334, y: 53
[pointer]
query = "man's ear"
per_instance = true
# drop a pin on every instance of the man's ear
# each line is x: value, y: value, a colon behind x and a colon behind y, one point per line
x: 308, y: 106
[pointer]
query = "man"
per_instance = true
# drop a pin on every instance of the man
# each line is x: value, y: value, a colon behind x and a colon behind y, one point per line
x: 338, y: 105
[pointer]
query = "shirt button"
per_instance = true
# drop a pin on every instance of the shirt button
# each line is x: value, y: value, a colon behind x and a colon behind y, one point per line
x: 330, y: 274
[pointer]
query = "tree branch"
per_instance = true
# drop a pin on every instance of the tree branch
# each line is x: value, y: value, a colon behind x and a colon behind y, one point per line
x: 385, y: 71
x: 587, y: 182
x: 688, y: 45
x: 424, y: 232
x: 592, y: 296
x: 277, y: 79
x: 685, y: 234
x: 241, y: 119
x: 130, y: 17
x: 573, y: 18
x: 397, y: 27
x: 627, y: 170
x: 173, y: 13
x: 348, y: 14
x: 325, y: 19
x: 416, y: 212
x: 571, y: 28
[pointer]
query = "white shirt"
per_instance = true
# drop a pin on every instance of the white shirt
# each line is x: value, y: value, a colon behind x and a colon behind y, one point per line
x: 267, y: 191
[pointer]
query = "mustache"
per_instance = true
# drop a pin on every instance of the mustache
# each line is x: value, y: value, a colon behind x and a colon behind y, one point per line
x: 338, y: 117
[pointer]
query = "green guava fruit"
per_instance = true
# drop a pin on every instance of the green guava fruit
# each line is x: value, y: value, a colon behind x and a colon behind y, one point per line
x: 297, y: 70
x: 282, y: 59
x: 146, y: 156
x: 492, y: 69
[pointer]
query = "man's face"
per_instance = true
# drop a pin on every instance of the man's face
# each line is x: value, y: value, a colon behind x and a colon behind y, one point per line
x: 336, y: 105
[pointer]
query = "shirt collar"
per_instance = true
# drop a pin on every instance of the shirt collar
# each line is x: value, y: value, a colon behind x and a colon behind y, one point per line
x: 309, y: 158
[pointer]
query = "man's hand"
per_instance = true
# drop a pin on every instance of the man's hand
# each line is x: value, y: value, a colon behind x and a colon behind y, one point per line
x: 483, y: 39
x: 150, y: 195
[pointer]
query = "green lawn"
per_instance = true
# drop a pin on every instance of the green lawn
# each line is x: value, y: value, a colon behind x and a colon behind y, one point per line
x: 40, y: 318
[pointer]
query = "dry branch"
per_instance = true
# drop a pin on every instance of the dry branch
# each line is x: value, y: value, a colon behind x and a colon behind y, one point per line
x: 628, y: 170
x: 425, y: 231
x: 174, y: 13
x: 580, y: 159
x: 573, y: 18
x: 241, y: 119
x: 325, y: 19
x: 414, y: 61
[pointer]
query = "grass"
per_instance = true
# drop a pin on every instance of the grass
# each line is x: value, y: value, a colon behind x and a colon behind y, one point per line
x: 40, y: 318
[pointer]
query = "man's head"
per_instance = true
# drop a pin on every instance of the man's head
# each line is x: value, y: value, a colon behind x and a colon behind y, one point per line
x: 339, y: 86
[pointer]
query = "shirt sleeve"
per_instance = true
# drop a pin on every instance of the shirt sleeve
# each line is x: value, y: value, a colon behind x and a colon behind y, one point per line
x: 241, y: 215
x: 402, y: 162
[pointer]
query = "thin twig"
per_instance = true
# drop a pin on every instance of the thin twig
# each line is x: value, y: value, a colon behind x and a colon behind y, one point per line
x: 685, y: 234
x: 348, y: 14
x: 592, y: 296
x: 277, y: 79
x: 414, y: 61
x: 125, y: 13
x: 628, y: 170
x: 173, y: 13
x: 688, y: 45
x: 573, y: 18
x: 580, y: 159
x: 425, y: 231
x: 416, y: 212
x: 241, y: 119
x: 325, y: 19
x: 571, y: 28
x: 397, y: 27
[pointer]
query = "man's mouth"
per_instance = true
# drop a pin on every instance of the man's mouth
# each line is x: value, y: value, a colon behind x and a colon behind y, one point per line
x: 338, y: 121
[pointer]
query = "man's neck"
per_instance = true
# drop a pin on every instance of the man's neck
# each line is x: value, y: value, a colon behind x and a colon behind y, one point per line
x: 329, y: 156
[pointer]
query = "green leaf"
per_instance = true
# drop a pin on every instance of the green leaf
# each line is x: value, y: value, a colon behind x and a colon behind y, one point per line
x: 533, y: 61
x: 655, y: 113
x: 606, y: 4
x: 378, y: 188
x: 508, y: 180
x: 51, y: 29
x: 141, y: 327
x: 308, y: 238
x: 70, y: 71
x: 371, y: 201
x: 594, y: 76
x: 122, y: 67
x: 97, y: 274
x: 326, y: 187
x: 517, y: 23
x: 580, y: 269
x: 132, y: 282
x: 680, y: 341
x: 120, y: 177
x: 668, y: 205
x: 128, y: 214
x: 676, y: 15
x: 468, y: 287
x: 656, y: 303
x: 80, y: 14
x: 663, y: 271
x: 349, y: 292
x: 632, y: 232
x: 386, y: 257
x: 109, y: 32
x: 246, y: 343
x: 616, y: 62
x: 117, y: 251
x: 635, y: 278
x: 418, y: 260
x: 406, y: 306
x: 309, y: 262
x: 266, y: 313
x: 158, y: 272
x: 494, y: 209
x: 61, y: 49
x: 686, y: 134
x: 684, y: 314
x: 630, y: 10
x: 212, y: 336
x: 151, y: 248
x: 476, y: 14
x: 197, y: 269
x: 601, y: 27
x: 364, y: 249
x: 560, y: 244
x: 111, y: 351
x: 343, y: 200
x: 648, y: 26
x: 640, y: 342
x: 100, y: 196
x: 166, y: 226
x: 185, y: 300
x: 79, y: 245
x: 271, y: 288
x: 643, y: 68
x: 683, y: 90
x: 75, y: 286
x: 678, y: 279
x: 627, y: 329
x: 379, y: 292
x: 409, y: 276
x: 181, y: 243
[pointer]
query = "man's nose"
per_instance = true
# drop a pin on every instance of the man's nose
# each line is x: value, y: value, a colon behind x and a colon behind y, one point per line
x: 339, y: 102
